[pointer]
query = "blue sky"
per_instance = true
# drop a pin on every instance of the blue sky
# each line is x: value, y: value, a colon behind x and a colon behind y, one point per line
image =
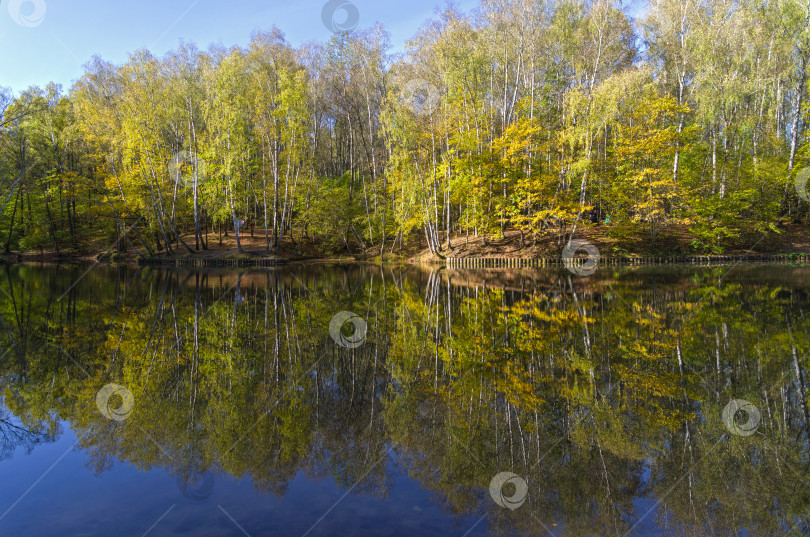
x: 50, y: 40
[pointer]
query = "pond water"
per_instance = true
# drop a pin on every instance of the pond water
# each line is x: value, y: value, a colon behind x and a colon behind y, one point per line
x: 315, y: 401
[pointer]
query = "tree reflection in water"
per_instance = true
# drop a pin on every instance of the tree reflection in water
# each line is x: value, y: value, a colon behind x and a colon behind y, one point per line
x: 597, y: 391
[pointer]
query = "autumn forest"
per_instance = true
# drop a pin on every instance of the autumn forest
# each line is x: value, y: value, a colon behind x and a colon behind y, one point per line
x: 543, y: 116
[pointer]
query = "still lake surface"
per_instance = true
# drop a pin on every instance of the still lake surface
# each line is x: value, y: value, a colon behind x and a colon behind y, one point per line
x: 320, y: 401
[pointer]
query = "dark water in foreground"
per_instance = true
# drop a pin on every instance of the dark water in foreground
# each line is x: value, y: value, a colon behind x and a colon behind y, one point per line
x: 631, y: 402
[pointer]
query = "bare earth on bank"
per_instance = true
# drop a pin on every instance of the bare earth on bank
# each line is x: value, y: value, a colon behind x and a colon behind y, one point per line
x: 794, y: 238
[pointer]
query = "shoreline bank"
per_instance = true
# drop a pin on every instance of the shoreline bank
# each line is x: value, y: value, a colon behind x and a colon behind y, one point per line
x: 456, y: 263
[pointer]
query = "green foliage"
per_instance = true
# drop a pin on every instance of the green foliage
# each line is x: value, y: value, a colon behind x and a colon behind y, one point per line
x: 525, y: 117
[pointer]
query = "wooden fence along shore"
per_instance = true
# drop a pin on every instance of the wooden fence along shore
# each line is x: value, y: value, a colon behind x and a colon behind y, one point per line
x: 507, y: 262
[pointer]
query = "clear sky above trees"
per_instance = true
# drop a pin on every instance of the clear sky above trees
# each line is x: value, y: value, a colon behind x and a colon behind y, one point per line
x: 71, y: 32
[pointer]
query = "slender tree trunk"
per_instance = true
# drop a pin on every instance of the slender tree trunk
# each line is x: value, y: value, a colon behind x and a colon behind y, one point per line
x: 11, y: 225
